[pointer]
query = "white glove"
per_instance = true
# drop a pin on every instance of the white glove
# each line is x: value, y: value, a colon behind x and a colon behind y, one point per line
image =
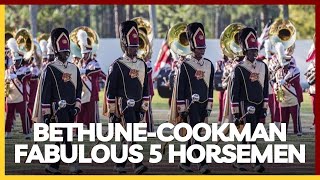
x: 82, y: 71
x: 12, y: 76
x: 275, y: 86
x: 281, y: 82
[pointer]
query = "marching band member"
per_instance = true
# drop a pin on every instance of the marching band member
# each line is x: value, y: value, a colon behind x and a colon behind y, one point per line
x: 249, y: 86
x: 148, y: 115
x: 288, y: 89
x: 103, y: 76
x: 90, y: 72
x: 311, y: 78
x: 59, y: 93
x: 194, y: 92
x: 50, y: 51
x: 127, y: 87
x: 17, y: 101
x: 271, y: 61
x: 43, y: 46
x: 220, y: 65
x: 33, y: 85
x: 226, y: 84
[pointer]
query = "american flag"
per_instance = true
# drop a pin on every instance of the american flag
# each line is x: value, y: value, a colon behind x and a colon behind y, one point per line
x: 164, y: 58
x: 264, y: 35
x: 312, y: 54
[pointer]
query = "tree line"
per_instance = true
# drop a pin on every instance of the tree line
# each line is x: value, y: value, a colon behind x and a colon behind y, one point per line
x: 105, y: 19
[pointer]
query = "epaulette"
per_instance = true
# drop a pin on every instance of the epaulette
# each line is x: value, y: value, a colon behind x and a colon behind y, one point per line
x: 206, y: 59
x: 117, y: 60
x: 140, y: 59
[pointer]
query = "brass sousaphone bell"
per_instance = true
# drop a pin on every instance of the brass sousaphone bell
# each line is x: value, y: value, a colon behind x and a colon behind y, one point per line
x: 25, y: 43
x: 282, y: 31
x: 145, y: 38
x: 229, y: 40
x: 177, y: 39
x: 93, y: 40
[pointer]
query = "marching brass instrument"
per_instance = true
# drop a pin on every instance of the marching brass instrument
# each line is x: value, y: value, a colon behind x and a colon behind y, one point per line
x: 25, y: 43
x: 145, y: 26
x: 282, y: 31
x: 144, y: 46
x: 279, y: 94
x: 229, y: 42
x: 177, y: 39
x: 93, y: 40
x: 7, y: 88
x: 311, y: 76
x: 43, y: 36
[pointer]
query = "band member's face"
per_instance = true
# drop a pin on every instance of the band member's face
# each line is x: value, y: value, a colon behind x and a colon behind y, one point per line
x: 75, y: 60
x: 63, y: 56
x: 44, y: 59
x: 51, y: 57
x: 17, y: 63
x: 132, y: 51
x: 199, y: 52
x: 86, y: 56
x: 252, y: 54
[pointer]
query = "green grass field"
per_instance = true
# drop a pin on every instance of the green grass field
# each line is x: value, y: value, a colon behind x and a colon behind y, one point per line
x: 160, y: 112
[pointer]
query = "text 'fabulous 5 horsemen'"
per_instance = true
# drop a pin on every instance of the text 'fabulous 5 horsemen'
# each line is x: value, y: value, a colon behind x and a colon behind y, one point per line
x: 42, y: 86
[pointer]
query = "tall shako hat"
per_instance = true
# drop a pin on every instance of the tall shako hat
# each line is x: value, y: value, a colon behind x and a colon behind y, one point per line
x: 60, y: 40
x: 129, y: 35
x: 248, y: 39
x: 196, y: 35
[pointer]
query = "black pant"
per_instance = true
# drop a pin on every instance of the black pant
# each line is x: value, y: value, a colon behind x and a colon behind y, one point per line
x: 197, y: 114
x: 64, y: 116
x: 130, y: 115
x: 253, y: 119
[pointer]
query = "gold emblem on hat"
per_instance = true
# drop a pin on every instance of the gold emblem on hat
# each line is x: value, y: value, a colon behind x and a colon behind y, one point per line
x: 64, y: 41
x: 135, y: 35
x: 133, y: 73
x: 201, y: 37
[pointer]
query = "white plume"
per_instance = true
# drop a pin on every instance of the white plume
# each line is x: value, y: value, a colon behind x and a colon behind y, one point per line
x: 12, y: 44
x: 49, y: 47
x: 267, y: 45
x: 43, y: 45
x: 82, y: 37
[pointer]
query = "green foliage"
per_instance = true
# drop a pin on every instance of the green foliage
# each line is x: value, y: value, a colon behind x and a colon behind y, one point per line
x: 214, y: 17
x: 303, y: 17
